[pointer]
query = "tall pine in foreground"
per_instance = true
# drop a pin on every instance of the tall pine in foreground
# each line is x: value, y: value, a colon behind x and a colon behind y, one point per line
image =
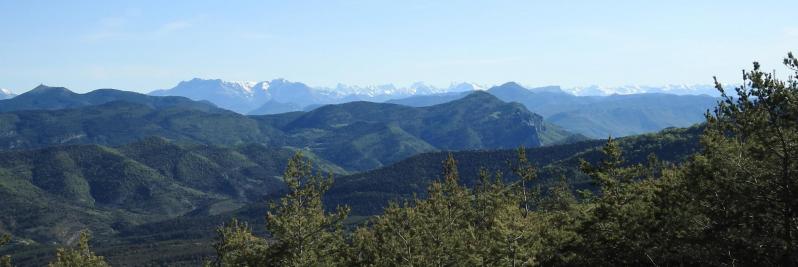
x: 302, y: 234
x: 746, y: 180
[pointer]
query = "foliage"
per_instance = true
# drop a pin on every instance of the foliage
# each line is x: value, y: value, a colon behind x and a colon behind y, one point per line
x: 745, y: 179
x: 81, y: 256
x: 302, y: 234
x: 5, y: 261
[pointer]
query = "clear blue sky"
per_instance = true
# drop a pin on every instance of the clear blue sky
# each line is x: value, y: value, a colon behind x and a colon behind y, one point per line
x: 145, y: 45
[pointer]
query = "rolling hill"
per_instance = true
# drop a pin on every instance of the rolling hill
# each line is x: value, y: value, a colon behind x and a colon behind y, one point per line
x: 595, y: 116
x: 356, y: 136
x: 369, y: 192
x: 49, y: 194
x: 53, y: 98
x: 186, y: 239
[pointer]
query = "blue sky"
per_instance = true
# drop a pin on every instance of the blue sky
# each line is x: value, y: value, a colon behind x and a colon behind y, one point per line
x: 146, y: 45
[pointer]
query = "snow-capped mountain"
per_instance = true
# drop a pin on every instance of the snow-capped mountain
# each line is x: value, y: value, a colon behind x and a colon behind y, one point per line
x: 232, y: 95
x: 6, y: 94
x: 247, y: 97
x: 679, y: 89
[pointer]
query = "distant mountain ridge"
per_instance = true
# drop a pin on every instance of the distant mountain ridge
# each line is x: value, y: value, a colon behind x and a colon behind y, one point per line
x: 368, y: 193
x: 595, y: 116
x: 356, y: 135
x: 280, y: 95
x: 676, y: 89
x: 391, y: 132
x: 53, y: 98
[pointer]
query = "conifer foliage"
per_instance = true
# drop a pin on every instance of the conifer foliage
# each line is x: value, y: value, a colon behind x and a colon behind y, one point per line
x: 302, y: 234
x: 80, y: 256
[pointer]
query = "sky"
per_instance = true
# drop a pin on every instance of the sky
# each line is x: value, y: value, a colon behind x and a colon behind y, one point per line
x: 146, y: 45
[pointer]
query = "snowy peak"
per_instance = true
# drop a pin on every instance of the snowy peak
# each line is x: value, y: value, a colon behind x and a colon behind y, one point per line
x: 6, y: 93
x: 247, y: 96
x: 238, y: 96
x: 549, y: 89
x: 232, y: 87
x: 466, y: 87
x: 678, y: 89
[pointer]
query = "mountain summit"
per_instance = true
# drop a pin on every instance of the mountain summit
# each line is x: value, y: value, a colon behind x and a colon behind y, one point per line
x: 53, y: 98
x: 280, y: 95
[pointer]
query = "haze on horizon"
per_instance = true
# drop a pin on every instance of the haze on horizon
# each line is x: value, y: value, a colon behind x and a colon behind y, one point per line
x: 150, y: 45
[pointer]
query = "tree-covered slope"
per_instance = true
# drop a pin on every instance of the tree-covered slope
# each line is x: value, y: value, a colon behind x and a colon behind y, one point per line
x: 622, y: 115
x: 53, y: 98
x: 369, y: 192
x: 185, y: 239
x: 393, y: 132
x: 117, y: 123
x: 356, y: 136
x: 595, y: 116
x: 49, y: 193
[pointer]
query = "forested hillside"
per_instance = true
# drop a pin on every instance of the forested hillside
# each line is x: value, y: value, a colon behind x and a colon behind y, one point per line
x: 356, y: 136
x: 594, y: 116
x: 106, y: 189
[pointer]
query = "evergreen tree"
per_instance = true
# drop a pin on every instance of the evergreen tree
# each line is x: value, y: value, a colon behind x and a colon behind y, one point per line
x: 302, y: 234
x: 423, y: 231
x: 237, y: 246
x: 81, y: 256
x: 746, y: 179
x: 617, y: 222
x: 455, y: 226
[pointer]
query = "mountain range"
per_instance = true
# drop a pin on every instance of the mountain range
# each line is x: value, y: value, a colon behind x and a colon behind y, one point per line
x: 109, y: 160
x: 590, y: 111
x: 280, y: 95
x: 594, y: 116
x: 164, y: 170
x: 54, y: 98
x: 676, y: 89
x: 356, y: 135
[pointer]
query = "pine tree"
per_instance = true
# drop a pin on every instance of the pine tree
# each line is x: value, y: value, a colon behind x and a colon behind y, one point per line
x: 424, y: 232
x: 81, y: 256
x: 491, y: 225
x: 304, y: 235
x: 618, y: 220
x: 237, y: 246
x: 301, y: 232
x: 746, y: 179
